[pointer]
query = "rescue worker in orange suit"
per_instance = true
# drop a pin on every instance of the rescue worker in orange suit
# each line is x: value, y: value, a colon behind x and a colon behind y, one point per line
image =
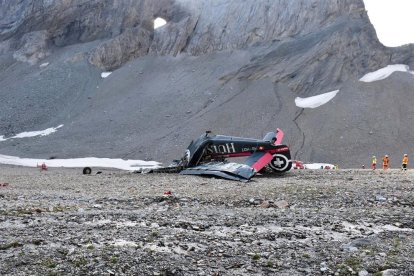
x: 374, y: 162
x: 404, y: 162
x: 385, y: 162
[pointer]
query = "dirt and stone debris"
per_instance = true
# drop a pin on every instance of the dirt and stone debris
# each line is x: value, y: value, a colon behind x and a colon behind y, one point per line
x: 344, y: 222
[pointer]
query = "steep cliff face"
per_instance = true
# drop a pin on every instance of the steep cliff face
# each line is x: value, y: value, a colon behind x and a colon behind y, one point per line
x: 232, y: 66
x: 236, y: 24
x: 195, y: 27
x: 220, y: 25
x: 63, y: 23
x: 334, y: 39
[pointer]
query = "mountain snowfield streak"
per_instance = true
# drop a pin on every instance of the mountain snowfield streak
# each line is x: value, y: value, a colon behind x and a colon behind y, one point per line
x: 385, y: 72
x: 28, y: 134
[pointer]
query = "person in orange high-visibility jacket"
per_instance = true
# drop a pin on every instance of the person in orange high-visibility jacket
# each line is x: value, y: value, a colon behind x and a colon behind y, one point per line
x: 404, y: 162
x: 385, y: 162
x: 374, y: 162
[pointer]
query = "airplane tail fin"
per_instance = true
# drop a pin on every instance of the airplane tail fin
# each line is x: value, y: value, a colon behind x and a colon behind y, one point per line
x: 279, y: 136
x: 275, y: 138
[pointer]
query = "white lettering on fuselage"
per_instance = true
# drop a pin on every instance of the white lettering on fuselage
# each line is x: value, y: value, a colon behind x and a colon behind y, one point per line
x: 223, y: 149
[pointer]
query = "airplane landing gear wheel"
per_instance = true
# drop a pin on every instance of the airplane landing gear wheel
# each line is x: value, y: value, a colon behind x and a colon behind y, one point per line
x: 87, y: 170
x: 280, y: 163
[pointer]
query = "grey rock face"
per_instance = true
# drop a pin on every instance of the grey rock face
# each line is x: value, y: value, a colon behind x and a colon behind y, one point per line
x: 131, y: 44
x: 195, y: 27
x: 33, y: 47
x: 78, y: 21
x: 305, y: 43
x: 237, y: 24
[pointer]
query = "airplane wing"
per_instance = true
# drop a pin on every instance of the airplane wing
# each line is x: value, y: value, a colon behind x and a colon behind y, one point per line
x: 259, y: 160
x: 231, y: 171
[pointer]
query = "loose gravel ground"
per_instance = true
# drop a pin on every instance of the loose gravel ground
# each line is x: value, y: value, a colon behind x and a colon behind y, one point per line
x: 344, y: 222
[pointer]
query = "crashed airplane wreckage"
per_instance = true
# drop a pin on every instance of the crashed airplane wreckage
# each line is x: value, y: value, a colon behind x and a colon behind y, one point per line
x: 207, y: 156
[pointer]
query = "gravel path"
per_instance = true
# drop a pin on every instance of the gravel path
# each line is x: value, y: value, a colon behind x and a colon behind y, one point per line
x: 118, y: 223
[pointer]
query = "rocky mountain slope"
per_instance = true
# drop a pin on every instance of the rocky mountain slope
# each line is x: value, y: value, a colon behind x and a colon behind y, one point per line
x: 234, y: 67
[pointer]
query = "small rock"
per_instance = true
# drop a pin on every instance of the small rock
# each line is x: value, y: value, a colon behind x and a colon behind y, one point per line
x: 363, y: 273
x: 350, y: 248
x: 196, y: 228
x: 390, y: 272
x: 265, y: 204
x: 380, y: 198
x: 282, y: 204
x: 255, y: 201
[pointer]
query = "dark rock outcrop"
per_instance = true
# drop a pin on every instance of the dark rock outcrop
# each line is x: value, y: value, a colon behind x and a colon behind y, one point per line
x: 112, y: 54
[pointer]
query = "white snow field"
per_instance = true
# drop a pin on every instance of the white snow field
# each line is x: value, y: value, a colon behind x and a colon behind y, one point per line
x: 128, y: 165
x: 32, y: 133
x: 385, y: 72
x: 315, y: 101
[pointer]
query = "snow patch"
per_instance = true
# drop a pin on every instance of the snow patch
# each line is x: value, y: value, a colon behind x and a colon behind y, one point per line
x: 104, y: 75
x: 385, y: 72
x: 33, y: 133
x: 156, y: 248
x: 125, y: 224
x: 122, y: 243
x: 318, y: 166
x: 159, y: 22
x: 129, y: 165
x: 99, y: 222
x: 315, y: 101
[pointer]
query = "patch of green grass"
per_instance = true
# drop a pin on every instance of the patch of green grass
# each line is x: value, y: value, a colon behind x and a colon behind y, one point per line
x: 378, y: 273
x: 397, y: 243
x: 114, y: 260
x: 14, y: 244
x: 396, y: 246
x: 49, y: 263
x: 342, y: 270
x: 269, y: 264
x: 58, y: 209
x: 354, y: 263
x: 80, y: 262
x: 256, y: 257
